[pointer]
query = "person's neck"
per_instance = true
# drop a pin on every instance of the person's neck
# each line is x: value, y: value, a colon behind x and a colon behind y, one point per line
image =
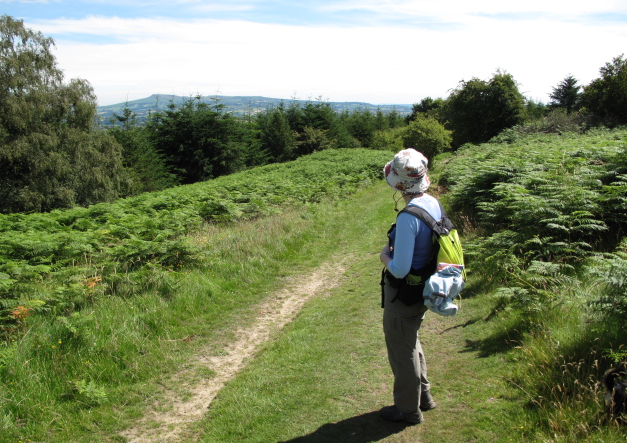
x: 409, y: 197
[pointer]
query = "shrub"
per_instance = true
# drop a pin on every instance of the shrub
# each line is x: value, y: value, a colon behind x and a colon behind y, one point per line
x: 478, y: 110
x: 388, y: 140
x: 427, y: 135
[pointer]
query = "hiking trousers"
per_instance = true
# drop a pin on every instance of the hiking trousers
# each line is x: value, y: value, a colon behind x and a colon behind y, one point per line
x: 401, y: 325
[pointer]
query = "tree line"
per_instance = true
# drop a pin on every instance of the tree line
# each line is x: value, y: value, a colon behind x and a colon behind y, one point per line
x: 55, y: 154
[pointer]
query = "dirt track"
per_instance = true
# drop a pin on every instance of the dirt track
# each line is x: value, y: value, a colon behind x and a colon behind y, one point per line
x: 167, y: 419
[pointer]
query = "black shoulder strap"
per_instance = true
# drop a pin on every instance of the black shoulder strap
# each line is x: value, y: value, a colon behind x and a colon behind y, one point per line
x: 438, y: 226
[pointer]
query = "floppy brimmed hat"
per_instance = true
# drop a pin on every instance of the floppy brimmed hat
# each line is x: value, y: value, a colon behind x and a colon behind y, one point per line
x: 407, y: 172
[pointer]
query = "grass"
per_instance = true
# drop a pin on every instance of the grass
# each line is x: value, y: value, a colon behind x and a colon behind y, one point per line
x: 324, y: 377
x: 327, y: 375
x: 120, y: 346
x: 561, y: 364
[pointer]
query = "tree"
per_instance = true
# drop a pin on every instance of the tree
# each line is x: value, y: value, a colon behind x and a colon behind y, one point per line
x: 536, y: 110
x: 312, y: 140
x: 199, y: 141
x: 276, y: 135
x: 361, y: 124
x: 147, y: 168
x: 389, y: 140
x: 566, y: 95
x: 478, y: 110
x: 606, y: 97
x: 427, y: 135
x: 427, y: 106
x: 50, y: 155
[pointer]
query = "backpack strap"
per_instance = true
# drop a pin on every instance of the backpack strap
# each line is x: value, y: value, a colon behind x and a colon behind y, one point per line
x: 439, y: 227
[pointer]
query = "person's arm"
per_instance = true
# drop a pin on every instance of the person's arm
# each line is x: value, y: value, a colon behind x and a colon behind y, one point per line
x: 406, y: 230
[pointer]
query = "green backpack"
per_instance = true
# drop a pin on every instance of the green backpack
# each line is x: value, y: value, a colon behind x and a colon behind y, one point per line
x: 447, y: 249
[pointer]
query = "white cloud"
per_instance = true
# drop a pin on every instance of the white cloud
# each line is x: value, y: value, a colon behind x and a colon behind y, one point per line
x: 384, y: 64
x: 446, y: 9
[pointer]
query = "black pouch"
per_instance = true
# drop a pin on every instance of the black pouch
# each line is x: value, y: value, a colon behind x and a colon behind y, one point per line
x: 408, y: 293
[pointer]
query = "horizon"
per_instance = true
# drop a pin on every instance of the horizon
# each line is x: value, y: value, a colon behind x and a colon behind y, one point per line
x: 255, y: 96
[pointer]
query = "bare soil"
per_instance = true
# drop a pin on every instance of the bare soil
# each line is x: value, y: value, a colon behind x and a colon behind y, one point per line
x: 187, y: 396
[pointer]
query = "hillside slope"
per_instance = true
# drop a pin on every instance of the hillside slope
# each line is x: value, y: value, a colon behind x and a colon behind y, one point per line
x: 238, y: 106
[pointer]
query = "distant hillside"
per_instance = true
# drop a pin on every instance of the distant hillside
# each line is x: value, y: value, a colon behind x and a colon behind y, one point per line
x: 238, y: 106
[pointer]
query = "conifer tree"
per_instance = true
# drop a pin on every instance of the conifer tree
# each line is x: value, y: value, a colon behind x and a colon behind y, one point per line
x: 566, y: 95
x: 276, y: 135
x: 199, y: 141
x: 147, y: 168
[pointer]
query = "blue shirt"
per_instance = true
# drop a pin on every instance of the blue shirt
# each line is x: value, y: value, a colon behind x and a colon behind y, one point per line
x: 411, y: 240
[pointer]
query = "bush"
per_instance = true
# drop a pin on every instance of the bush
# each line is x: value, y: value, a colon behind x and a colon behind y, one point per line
x: 388, y: 140
x: 478, y: 110
x: 427, y: 135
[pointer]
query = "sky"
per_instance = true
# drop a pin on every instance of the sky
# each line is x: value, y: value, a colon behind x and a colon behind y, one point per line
x: 373, y: 51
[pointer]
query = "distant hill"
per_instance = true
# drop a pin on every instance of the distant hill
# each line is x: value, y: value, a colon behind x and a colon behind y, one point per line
x: 238, y: 106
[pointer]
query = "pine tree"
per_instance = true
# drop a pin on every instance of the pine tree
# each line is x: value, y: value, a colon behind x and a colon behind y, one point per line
x: 566, y: 95
x: 276, y: 135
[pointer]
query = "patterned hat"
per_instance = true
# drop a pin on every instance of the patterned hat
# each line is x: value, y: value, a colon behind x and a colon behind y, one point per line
x: 407, y: 172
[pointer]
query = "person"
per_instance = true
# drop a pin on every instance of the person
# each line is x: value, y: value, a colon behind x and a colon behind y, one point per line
x: 409, y: 248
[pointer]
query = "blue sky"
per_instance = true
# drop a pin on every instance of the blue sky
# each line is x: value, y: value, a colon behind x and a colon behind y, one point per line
x: 376, y: 51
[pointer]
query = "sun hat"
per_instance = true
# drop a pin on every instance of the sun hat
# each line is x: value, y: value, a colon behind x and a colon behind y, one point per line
x: 407, y: 172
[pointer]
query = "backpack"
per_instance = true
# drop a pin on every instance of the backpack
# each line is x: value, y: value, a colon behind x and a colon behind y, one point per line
x: 442, y: 279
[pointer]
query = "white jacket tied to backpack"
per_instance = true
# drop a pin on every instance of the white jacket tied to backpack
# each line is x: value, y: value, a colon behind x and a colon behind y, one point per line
x: 442, y: 288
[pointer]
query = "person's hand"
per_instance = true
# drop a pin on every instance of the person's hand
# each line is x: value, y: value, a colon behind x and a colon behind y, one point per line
x: 385, y: 255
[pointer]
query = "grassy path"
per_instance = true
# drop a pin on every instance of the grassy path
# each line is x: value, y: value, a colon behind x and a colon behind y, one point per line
x: 325, y: 376
x: 168, y: 418
x: 280, y: 340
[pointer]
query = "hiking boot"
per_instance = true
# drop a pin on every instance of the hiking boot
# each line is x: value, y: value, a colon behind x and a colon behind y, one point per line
x: 392, y: 413
x: 426, y: 401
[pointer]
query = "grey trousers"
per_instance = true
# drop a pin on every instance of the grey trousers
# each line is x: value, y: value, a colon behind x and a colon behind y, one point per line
x: 400, y: 326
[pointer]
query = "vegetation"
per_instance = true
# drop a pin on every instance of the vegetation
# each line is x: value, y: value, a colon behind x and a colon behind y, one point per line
x: 478, y: 110
x: 99, y: 303
x: 427, y: 107
x: 50, y: 264
x: 241, y: 107
x: 548, y: 219
x: 50, y: 154
x: 198, y: 141
x: 147, y: 167
x: 101, y: 294
x: 566, y: 95
x: 55, y: 157
x: 606, y: 97
x: 427, y: 135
